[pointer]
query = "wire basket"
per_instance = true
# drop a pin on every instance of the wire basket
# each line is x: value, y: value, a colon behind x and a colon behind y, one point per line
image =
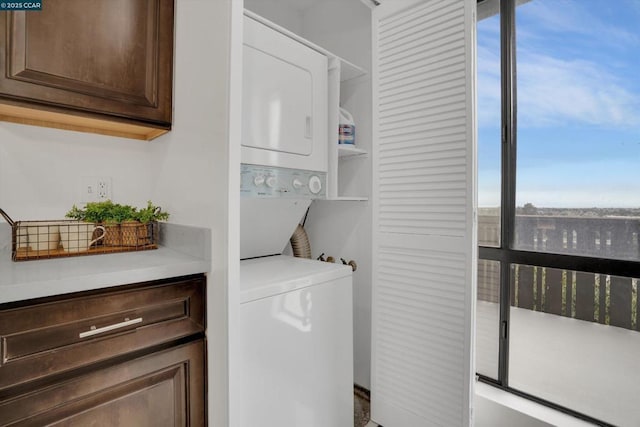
x: 65, y: 238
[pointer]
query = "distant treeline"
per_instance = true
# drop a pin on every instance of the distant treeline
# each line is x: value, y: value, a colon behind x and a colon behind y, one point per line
x: 530, y: 209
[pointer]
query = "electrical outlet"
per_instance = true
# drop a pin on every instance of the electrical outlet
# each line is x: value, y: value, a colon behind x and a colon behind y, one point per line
x: 95, y: 188
x: 104, y: 189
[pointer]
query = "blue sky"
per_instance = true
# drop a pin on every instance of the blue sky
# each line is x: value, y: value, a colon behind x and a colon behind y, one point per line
x: 578, y: 104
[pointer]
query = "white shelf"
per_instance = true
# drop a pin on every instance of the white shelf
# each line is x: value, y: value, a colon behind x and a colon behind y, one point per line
x: 346, y: 150
x: 349, y: 198
x: 350, y: 71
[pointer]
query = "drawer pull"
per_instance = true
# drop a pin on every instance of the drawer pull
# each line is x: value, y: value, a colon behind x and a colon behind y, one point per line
x: 96, y: 331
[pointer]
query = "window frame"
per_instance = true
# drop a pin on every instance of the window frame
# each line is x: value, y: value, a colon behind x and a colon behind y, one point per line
x: 505, y: 253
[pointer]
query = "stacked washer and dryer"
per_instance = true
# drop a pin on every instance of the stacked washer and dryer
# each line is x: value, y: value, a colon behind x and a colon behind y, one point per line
x: 296, y: 314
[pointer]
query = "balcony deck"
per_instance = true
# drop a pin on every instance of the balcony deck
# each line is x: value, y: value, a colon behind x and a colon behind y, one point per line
x: 586, y: 366
x: 574, y: 336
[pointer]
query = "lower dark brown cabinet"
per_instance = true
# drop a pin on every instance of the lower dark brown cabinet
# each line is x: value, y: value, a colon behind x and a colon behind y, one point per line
x: 125, y: 356
x: 161, y: 389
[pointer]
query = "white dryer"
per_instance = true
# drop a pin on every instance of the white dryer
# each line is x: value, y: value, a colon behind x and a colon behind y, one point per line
x: 284, y: 101
x: 284, y: 135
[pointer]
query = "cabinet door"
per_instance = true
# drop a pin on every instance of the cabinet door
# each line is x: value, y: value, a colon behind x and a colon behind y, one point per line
x: 162, y: 389
x: 424, y: 235
x: 106, y: 56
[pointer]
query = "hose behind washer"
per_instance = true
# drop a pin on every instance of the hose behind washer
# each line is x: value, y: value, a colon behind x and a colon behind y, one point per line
x: 300, y: 243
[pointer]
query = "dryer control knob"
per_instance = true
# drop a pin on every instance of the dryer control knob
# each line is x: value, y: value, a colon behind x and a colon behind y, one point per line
x: 258, y: 180
x: 271, y: 181
x: 297, y: 184
x: 315, y: 184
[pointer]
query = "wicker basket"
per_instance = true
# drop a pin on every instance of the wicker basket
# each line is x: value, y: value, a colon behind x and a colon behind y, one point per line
x: 130, y: 233
x: 42, y: 239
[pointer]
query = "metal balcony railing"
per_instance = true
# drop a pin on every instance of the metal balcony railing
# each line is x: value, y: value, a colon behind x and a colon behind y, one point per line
x: 599, y: 298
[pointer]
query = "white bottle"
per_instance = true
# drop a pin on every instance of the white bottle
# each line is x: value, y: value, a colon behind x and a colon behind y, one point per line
x: 346, y: 128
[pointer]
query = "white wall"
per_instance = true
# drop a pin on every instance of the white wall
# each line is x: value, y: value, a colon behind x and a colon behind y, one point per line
x: 40, y: 169
x: 189, y: 171
x: 343, y: 27
x: 286, y: 14
x: 196, y: 165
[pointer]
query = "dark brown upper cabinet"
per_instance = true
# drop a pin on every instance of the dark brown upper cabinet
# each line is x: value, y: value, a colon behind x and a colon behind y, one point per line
x: 102, y: 66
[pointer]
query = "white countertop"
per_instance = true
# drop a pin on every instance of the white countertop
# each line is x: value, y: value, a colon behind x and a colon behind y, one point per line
x: 40, y: 278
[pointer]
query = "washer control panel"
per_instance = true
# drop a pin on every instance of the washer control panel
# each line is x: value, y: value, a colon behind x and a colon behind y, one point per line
x: 268, y: 181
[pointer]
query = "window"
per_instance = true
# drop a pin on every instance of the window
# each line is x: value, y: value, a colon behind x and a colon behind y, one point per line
x: 489, y: 130
x: 488, y: 305
x: 557, y: 317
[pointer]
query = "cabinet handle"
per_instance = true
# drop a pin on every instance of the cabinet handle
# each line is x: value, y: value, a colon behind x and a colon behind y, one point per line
x: 96, y: 331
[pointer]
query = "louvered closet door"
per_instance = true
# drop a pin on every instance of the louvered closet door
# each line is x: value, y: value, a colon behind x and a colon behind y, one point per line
x: 424, y: 200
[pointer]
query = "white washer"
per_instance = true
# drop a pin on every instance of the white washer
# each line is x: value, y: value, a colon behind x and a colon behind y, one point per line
x: 296, y: 343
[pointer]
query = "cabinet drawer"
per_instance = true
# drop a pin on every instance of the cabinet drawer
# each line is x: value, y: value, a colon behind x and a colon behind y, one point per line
x: 73, y: 331
x: 161, y: 389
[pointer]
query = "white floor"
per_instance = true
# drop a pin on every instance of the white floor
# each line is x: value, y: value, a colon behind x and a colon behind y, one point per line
x: 585, y: 366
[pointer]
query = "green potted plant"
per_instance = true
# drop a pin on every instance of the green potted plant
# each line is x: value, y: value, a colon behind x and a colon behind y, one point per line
x: 138, y: 229
x: 125, y: 225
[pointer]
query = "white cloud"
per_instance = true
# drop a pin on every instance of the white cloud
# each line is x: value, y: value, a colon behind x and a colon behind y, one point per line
x: 592, y: 183
x: 488, y: 87
x: 555, y: 91
x: 568, y: 85
x: 583, y: 18
x: 489, y: 188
